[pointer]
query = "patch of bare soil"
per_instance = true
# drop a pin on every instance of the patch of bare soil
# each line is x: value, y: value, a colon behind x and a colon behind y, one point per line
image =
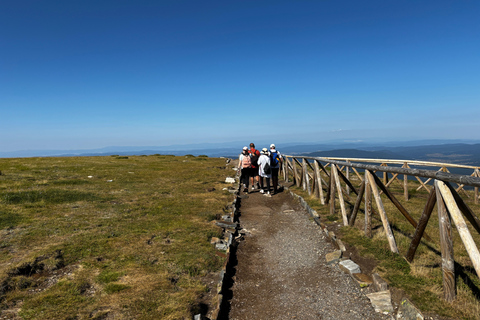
x: 281, y: 271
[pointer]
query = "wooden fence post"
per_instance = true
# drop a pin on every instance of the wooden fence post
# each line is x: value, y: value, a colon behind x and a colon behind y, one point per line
x: 332, y: 194
x: 477, y: 174
x: 422, y: 224
x: 385, y: 174
x: 285, y: 169
x: 405, y: 183
x: 295, y: 173
x: 368, y: 207
x: 319, y: 182
x: 351, y: 222
x: 383, y: 214
x: 306, y: 180
x: 462, y: 228
x: 340, y: 194
x: 347, y: 174
x: 446, y: 245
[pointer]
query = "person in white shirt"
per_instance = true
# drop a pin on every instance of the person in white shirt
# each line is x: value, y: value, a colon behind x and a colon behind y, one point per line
x: 264, y: 170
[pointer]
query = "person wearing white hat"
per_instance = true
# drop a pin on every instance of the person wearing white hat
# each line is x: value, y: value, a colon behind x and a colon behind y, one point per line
x: 244, y: 164
x: 264, y: 170
x: 275, y: 162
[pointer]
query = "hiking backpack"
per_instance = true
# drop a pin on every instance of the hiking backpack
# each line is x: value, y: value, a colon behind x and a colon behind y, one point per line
x: 254, y: 155
x: 246, y: 161
x: 274, y: 159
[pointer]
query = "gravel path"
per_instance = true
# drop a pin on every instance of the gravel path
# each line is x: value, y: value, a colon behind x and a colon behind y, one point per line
x: 282, y: 272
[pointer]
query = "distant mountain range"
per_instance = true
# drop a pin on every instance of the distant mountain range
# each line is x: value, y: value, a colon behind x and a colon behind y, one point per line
x: 465, y: 152
x: 459, y: 153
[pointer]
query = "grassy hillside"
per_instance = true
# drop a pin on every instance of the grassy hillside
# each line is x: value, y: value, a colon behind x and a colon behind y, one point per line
x: 108, y: 237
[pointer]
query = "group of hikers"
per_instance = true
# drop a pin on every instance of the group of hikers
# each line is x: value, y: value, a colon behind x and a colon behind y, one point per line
x: 257, y: 166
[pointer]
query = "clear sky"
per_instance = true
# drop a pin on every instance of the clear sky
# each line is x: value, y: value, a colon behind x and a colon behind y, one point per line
x: 89, y: 74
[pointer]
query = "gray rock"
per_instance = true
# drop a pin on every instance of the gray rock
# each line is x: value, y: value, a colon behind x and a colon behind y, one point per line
x: 224, y: 224
x: 221, y: 246
x: 331, y: 234
x: 362, y: 279
x: 340, y: 245
x: 381, y: 301
x: 227, y: 218
x: 408, y: 311
x: 333, y: 257
x: 378, y: 283
x: 348, y: 266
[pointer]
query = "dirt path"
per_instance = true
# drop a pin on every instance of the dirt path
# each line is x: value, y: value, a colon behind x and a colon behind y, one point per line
x: 281, y: 271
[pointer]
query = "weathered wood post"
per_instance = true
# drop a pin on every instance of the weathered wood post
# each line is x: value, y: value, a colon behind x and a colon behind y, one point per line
x: 477, y: 174
x: 304, y: 174
x: 300, y: 175
x: 340, y: 194
x: 383, y: 214
x: 446, y: 245
x: 405, y: 182
x: 422, y: 224
x: 385, y: 174
x: 368, y: 207
x: 306, y: 177
x: 295, y: 173
x: 347, y: 174
x: 285, y: 169
x: 462, y: 228
x: 351, y: 222
x: 319, y: 182
x: 332, y: 193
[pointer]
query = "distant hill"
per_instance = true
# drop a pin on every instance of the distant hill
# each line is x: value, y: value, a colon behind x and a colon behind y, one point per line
x: 355, y: 153
x: 449, y: 151
x: 460, y: 153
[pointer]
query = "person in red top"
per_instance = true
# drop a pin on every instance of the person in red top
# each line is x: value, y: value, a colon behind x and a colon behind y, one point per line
x: 255, y: 154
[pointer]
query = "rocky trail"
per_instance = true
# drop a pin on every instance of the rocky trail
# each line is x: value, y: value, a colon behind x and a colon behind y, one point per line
x: 281, y: 270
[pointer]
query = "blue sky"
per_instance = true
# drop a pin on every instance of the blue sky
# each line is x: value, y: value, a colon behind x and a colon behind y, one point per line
x: 89, y: 74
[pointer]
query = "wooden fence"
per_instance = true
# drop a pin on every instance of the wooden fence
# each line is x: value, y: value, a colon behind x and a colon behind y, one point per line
x: 331, y: 178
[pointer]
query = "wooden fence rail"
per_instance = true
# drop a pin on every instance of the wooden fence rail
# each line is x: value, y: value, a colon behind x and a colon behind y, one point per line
x: 307, y: 174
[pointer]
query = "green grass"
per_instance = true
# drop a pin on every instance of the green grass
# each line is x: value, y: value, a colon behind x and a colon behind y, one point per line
x: 117, y: 237
x: 422, y: 279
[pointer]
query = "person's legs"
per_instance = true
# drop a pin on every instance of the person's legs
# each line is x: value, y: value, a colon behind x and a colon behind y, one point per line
x: 246, y: 178
x: 254, y: 177
x: 275, y: 179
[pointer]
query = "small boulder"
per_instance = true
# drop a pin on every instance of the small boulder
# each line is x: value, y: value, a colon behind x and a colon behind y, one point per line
x: 333, y: 257
x: 381, y: 301
x: 378, y: 283
x: 348, y: 266
x: 408, y: 311
x: 362, y: 279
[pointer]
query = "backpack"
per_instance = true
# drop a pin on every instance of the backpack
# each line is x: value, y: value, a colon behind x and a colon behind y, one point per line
x: 274, y: 159
x: 246, y: 161
x: 254, y: 155
x: 267, y: 168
